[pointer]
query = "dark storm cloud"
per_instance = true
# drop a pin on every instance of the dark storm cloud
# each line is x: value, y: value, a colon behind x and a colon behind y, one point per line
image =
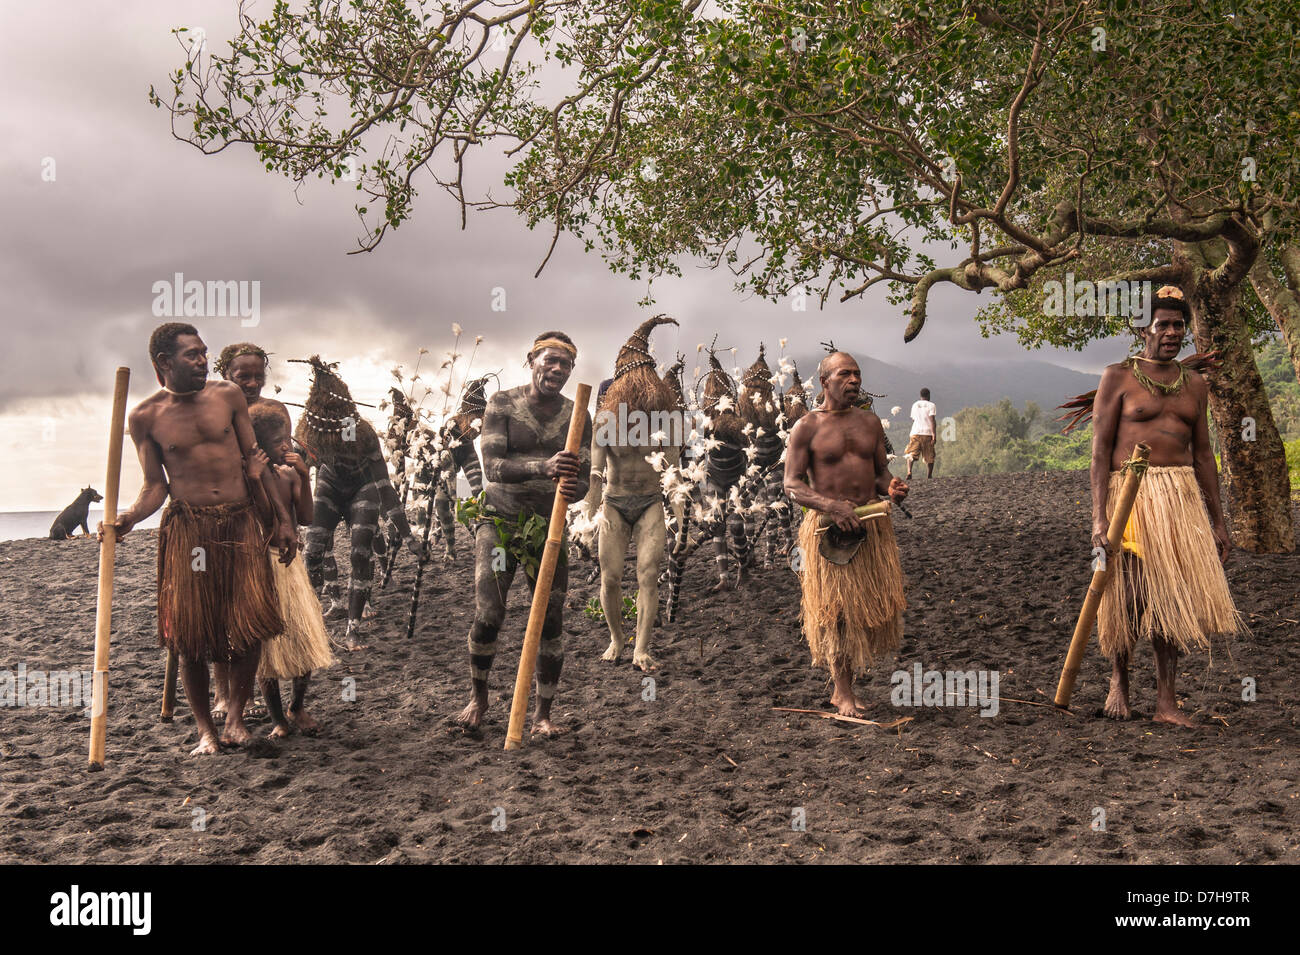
x: 131, y: 206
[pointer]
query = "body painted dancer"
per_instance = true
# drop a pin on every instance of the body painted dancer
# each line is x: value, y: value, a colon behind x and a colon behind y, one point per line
x: 524, y: 433
x: 460, y: 458
x: 628, y: 457
x: 763, y: 500
x: 352, y: 484
x: 725, y: 461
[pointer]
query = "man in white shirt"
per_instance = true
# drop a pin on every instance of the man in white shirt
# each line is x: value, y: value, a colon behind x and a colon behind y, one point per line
x: 921, y: 444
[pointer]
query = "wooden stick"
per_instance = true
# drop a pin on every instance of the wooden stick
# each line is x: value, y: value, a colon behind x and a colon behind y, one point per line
x: 845, y: 719
x: 1137, y: 466
x: 107, y: 553
x: 169, y: 687
x: 545, y: 576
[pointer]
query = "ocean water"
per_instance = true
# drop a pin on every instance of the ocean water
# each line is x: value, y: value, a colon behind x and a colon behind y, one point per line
x: 18, y: 525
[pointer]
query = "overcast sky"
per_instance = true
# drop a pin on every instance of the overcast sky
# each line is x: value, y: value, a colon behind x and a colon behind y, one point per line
x: 130, y: 206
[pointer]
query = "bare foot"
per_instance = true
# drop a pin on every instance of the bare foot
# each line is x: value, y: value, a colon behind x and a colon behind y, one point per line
x: 471, y: 717
x: 613, y: 652
x: 219, y: 707
x: 720, y: 586
x: 281, y: 730
x: 304, y: 721
x: 645, y: 662
x: 848, y: 705
x: 368, y: 611
x: 543, y: 726
x: 1117, y: 704
x: 1172, y: 716
x: 352, y: 637
x: 236, y: 733
x: 1117, y: 700
x: 208, y: 745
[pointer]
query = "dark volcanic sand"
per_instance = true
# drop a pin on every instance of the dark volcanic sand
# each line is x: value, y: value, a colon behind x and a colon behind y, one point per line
x: 706, y: 772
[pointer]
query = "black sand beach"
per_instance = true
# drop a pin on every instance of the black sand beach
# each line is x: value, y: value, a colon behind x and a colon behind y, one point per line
x: 707, y: 771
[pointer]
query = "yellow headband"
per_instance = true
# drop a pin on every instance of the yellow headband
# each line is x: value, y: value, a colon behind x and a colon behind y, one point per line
x: 563, y: 346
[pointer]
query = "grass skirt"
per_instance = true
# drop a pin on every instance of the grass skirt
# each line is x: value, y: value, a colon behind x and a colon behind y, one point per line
x: 216, y: 598
x: 305, y: 643
x: 852, y: 613
x: 1176, y: 588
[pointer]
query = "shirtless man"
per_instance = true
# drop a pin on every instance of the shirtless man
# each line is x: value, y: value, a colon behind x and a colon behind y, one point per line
x: 630, y: 465
x: 524, y: 432
x: 852, y: 582
x: 216, y: 600
x: 1168, y: 583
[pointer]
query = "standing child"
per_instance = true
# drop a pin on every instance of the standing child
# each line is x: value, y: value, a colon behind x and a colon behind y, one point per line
x: 305, y: 645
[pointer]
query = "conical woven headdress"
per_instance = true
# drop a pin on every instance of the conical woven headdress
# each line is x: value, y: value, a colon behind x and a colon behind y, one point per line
x: 757, y: 401
x: 331, y: 428
x: 636, y: 353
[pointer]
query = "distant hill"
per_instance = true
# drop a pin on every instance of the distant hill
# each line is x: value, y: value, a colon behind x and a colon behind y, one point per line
x: 954, y: 387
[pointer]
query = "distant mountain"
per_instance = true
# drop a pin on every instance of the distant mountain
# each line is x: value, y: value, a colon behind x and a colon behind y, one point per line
x: 954, y: 387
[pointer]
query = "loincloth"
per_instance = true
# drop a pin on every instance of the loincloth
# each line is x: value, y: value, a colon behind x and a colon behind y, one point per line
x: 852, y: 613
x: 304, y: 645
x: 631, y: 506
x: 1167, y: 580
x: 228, y: 606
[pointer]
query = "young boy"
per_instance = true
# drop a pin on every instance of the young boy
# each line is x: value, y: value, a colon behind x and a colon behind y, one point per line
x: 304, y: 645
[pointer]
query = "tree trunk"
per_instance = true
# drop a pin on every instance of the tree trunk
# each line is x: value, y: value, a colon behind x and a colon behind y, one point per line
x: 1281, y: 300
x: 1254, y: 473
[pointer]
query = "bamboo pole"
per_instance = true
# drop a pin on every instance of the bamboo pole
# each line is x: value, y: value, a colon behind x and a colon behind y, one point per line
x: 863, y: 511
x: 545, y: 577
x: 169, y: 687
x: 107, y: 553
x: 1136, y: 468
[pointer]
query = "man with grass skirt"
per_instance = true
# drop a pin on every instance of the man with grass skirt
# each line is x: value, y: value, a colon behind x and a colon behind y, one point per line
x: 216, y: 597
x: 852, y: 582
x: 1168, y: 584
x: 524, y: 459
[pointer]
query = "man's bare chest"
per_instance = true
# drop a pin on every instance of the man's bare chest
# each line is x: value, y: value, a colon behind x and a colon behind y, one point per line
x: 529, y: 430
x: 179, y: 431
x: 1140, y: 405
x: 832, y: 444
